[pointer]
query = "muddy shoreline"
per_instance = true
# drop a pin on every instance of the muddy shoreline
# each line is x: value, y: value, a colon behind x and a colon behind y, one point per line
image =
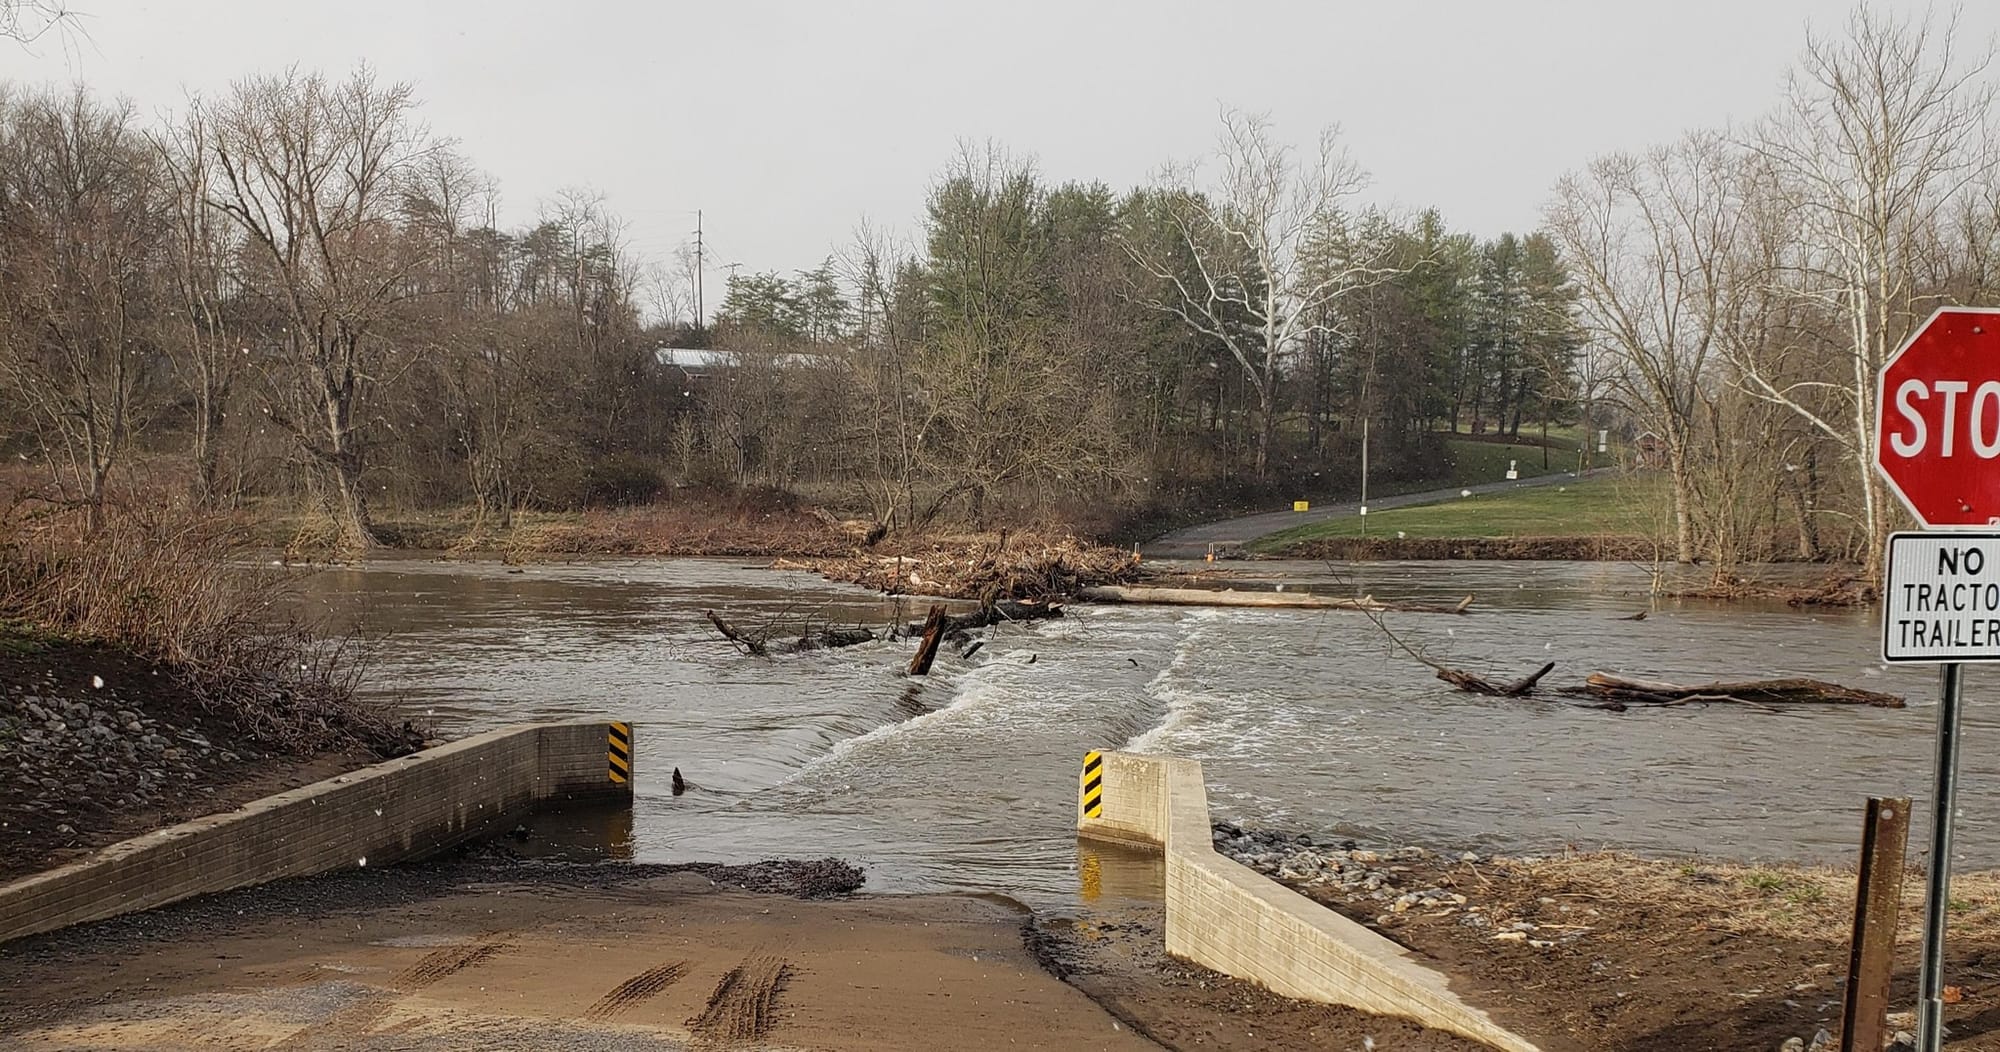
x: 1603, y: 951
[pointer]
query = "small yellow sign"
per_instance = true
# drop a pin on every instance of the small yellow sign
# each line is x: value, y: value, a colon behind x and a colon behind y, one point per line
x: 1093, y: 784
x: 618, y: 750
x: 1299, y: 505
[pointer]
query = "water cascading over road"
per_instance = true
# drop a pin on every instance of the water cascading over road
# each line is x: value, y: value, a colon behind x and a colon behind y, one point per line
x: 1304, y: 719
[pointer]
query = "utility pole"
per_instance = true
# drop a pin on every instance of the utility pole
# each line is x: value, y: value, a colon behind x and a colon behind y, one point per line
x: 700, y: 315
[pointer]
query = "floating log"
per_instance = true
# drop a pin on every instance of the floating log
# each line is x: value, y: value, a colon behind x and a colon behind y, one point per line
x: 759, y: 644
x: 1475, y: 684
x: 1758, y: 693
x: 920, y: 663
x: 1267, y: 600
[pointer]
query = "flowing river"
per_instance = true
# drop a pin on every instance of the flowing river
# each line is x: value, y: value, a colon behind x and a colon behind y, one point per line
x: 1311, y: 720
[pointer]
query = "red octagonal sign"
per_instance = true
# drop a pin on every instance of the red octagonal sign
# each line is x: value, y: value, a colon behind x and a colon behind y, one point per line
x: 1937, y: 419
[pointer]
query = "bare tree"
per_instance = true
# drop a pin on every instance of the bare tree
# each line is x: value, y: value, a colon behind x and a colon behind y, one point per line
x: 204, y: 336
x: 895, y: 414
x: 78, y: 214
x: 310, y: 171
x: 1648, y: 238
x: 1268, y: 248
x: 1882, y: 135
x: 29, y: 20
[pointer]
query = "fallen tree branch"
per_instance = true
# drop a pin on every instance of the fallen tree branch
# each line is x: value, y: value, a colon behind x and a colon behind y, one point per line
x: 1268, y: 600
x: 1471, y: 682
x: 1466, y: 681
x: 758, y: 644
x: 752, y: 645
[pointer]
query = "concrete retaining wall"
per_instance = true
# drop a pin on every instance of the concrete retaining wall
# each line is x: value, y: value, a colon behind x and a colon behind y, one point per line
x: 1224, y: 915
x: 393, y: 811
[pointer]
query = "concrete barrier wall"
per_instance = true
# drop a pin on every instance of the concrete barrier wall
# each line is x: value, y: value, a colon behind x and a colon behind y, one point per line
x: 1224, y: 915
x: 1136, y: 813
x: 393, y: 811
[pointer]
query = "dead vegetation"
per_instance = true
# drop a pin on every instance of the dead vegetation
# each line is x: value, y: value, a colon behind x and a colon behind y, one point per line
x: 1747, y: 899
x: 676, y: 529
x: 179, y: 590
x: 1839, y: 589
x: 984, y: 567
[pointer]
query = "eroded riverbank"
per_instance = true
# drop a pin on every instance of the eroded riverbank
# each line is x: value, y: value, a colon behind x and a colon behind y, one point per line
x: 97, y: 745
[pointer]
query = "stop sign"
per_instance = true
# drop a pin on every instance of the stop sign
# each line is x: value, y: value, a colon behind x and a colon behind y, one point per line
x: 1937, y: 419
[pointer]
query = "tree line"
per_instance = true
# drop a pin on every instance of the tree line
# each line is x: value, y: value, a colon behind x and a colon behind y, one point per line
x: 293, y: 293
x: 1198, y: 341
x: 1742, y: 287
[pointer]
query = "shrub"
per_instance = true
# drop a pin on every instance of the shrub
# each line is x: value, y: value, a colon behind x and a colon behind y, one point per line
x: 181, y: 590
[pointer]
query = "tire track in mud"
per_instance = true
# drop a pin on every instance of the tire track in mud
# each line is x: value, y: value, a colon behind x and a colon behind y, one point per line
x: 743, y: 1006
x: 637, y: 990
x: 448, y: 961
x: 358, y: 1018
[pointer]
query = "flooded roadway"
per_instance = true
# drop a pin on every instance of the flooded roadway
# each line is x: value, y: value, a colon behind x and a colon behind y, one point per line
x: 1303, y: 719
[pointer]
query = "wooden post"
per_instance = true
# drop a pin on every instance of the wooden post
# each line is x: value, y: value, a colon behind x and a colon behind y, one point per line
x: 1864, y: 1025
x: 920, y: 665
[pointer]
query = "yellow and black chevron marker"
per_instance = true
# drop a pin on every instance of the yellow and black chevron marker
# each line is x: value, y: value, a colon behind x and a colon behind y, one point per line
x: 619, y: 742
x: 1093, y: 784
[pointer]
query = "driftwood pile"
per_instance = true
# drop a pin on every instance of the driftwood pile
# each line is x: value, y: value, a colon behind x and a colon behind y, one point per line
x: 988, y: 568
x: 936, y: 629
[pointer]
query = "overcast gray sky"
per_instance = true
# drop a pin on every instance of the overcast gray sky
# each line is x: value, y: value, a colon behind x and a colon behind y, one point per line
x: 789, y: 122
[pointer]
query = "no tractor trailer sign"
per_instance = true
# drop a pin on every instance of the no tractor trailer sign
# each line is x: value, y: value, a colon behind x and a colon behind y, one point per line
x: 1942, y: 602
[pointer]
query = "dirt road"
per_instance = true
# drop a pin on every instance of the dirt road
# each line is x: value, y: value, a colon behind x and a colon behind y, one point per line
x: 481, y: 955
x: 465, y: 959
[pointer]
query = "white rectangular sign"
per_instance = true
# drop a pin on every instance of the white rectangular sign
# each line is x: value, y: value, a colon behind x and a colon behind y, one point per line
x: 1941, y: 601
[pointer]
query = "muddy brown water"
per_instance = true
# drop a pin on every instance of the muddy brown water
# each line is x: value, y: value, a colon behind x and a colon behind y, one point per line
x: 1303, y: 719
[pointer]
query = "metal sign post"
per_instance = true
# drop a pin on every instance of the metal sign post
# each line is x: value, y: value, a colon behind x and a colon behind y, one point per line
x: 1941, y: 595
x: 1941, y: 605
x: 1937, y: 890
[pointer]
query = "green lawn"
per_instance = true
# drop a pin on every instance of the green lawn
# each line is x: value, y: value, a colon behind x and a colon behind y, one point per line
x: 1474, y: 461
x: 1629, y: 507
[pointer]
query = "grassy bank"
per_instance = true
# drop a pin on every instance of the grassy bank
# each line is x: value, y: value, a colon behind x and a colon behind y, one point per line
x: 1625, y: 508
x: 1477, y: 460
